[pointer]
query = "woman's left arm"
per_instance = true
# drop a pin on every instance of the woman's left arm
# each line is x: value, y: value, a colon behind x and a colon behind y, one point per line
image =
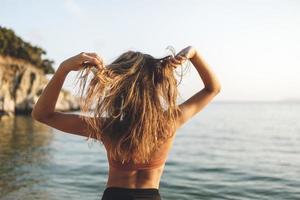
x: 44, y: 109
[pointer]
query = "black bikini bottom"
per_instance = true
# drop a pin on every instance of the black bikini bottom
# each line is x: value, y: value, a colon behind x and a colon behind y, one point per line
x: 118, y: 193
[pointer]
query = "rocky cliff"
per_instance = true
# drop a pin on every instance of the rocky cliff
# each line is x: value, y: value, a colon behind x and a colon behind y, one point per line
x: 21, y: 83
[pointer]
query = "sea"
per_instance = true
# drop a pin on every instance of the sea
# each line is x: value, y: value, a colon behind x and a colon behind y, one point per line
x: 229, y: 150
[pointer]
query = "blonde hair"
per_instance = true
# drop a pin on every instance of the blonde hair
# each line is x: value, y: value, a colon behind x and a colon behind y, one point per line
x: 135, y: 104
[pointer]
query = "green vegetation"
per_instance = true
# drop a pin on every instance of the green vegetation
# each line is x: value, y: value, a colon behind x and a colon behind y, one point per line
x: 14, y: 46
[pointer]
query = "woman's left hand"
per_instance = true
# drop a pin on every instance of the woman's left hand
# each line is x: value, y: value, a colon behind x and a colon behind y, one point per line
x: 81, y: 60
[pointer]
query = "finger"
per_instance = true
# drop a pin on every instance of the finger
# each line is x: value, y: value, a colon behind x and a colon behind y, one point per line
x: 175, y: 61
x: 181, y: 54
x: 91, y: 55
x: 99, y: 65
x: 181, y: 57
x: 90, y: 60
x: 181, y: 60
x: 95, y: 56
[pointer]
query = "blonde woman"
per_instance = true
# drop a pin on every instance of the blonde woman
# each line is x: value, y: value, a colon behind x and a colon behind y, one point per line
x: 131, y: 109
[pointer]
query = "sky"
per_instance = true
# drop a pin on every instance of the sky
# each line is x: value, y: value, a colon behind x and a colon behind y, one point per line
x: 253, y: 46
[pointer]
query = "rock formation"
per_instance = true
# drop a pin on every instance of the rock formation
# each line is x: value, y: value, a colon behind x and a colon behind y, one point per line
x: 21, y: 83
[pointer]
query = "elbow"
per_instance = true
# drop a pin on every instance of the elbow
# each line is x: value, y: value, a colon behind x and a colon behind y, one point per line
x: 215, y: 89
x: 32, y: 114
x: 218, y: 89
x: 36, y: 116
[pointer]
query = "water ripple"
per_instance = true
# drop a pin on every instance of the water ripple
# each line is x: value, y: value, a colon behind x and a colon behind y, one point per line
x: 230, y: 151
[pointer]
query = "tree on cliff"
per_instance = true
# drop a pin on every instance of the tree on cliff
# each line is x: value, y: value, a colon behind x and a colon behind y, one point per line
x: 14, y: 46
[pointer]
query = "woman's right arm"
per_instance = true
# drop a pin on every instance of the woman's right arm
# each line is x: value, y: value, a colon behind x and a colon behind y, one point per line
x: 211, y: 88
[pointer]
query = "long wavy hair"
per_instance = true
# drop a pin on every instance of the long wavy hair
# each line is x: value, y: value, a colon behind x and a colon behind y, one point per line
x: 133, y: 104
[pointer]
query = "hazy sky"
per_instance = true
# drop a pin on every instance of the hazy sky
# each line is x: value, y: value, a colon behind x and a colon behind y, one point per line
x: 253, y: 46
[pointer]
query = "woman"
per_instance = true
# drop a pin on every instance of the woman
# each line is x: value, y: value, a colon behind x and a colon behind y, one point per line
x: 134, y: 113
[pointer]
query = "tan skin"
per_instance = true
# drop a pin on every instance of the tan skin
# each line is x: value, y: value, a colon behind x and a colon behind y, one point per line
x: 44, y: 111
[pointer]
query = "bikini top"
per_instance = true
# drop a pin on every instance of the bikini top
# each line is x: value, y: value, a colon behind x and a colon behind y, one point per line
x: 157, y: 160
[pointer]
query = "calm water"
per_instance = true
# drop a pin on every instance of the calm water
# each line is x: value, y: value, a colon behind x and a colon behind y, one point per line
x: 228, y: 151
